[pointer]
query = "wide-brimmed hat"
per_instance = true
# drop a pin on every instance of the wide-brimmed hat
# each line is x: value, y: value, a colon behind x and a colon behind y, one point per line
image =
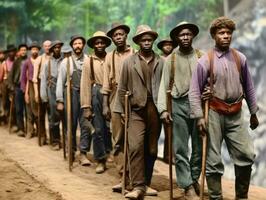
x: 54, y: 43
x: 117, y: 25
x: 96, y: 35
x: 182, y: 25
x: 144, y: 29
x: 10, y: 47
x: 66, y: 49
x: 166, y: 40
x: 23, y: 45
x: 34, y: 44
x: 74, y: 37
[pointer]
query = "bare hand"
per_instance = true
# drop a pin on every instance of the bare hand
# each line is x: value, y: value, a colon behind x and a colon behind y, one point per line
x: 166, y: 117
x: 60, y: 106
x: 201, y: 124
x: 123, y: 118
x: 87, y: 113
x: 254, y: 122
x: 106, y: 112
x: 207, y: 94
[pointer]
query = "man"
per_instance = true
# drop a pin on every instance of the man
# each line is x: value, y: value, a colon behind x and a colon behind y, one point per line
x: 6, y: 68
x: 2, y: 58
x: 38, y: 68
x: 49, y: 78
x: 91, y: 98
x: 14, y: 86
x: 76, y: 66
x: 176, y: 77
x: 225, y: 73
x: 166, y: 46
x: 114, y: 60
x: 141, y: 75
x: 27, y: 87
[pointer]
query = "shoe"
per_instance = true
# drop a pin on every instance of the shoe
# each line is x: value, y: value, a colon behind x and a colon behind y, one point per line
x: 100, y: 168
x: 150, y: 192
x: 14, y: 129
x: 55, y: 147
x: 83, y: 160
x: 117, y: 188
x: 135, y: 194
x: 190, y: 193
x: 196, y: 186
x: 20, y: 133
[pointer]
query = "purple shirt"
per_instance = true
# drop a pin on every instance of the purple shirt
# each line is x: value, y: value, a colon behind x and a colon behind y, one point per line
x: 26, y: 73
x: 227, y: 83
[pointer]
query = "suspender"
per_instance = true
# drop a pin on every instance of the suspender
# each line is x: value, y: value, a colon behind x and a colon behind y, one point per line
x: 172, y: 72
x: 49, y: 73
x: 92, y: 70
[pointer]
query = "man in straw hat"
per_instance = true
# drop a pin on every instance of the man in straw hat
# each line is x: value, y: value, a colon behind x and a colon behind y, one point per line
x: 114, y: 60
x: 38, y: 68
x: 91, y: 98
x: 49, y: 77
x: 14, y: 86
x: 166, y: 46
x: 27, y: 87
x: 76, y: 64
x: 176, y: 77
x: 225, y: 71
x: 140, y: 76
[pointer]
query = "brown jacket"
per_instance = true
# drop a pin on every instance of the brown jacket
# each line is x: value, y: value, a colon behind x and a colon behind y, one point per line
x: 132, y: 80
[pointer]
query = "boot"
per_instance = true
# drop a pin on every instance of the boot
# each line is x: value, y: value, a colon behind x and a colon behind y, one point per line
x: 242, y: 181
x: 30, y: 130
x: 214, y: 186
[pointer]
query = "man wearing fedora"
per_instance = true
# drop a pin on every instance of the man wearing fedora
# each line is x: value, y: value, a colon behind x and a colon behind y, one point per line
x: 27, y: 87
x: 114, y: 60
x: 49, y: 78
x: 91, y: 98
x: 76, y: 64
x: 225, y: 71
x: 140, y: 76
x: 6, y: 67
x: 176, y: 77
x: 38, y: 68
x: 166, y: 46
x: 15, y: 89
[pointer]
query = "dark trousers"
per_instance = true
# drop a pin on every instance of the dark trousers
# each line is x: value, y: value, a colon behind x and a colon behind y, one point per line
x: 102, y: 140
x: 143, y: 133
x: 19, y: 106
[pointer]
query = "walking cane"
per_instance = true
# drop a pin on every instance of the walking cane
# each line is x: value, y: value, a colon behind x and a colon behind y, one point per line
x: 204, y: 150
x: 69, y: 119
x: 170, y: 144
x: 39, y: 116
x: 125, y: 144
x: 10, y: 113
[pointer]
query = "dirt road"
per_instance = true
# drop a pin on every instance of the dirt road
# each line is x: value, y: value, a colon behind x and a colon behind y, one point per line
x: 30, y: 172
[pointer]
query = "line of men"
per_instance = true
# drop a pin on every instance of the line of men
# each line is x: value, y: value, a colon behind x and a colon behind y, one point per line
x: 99, y: 82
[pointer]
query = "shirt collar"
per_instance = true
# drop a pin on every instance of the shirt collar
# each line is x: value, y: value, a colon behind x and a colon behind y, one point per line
x: 220, y: 53
x: 147, y: 61
x: 128, y: 48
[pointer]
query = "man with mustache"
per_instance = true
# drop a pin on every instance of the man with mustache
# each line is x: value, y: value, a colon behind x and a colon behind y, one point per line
x: 225, y: 73
x: 76, y: 66
x: 27, y: 88
x: 91, y: 98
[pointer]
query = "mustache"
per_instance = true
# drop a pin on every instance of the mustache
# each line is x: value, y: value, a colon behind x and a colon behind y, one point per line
x: 78, y: 48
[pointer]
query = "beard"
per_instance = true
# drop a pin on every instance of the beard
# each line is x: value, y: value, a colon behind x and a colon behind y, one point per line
x: 77, y: 50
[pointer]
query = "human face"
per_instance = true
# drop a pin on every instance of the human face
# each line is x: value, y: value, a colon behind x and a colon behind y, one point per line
x: 99, y: 45
x: 23, y: 51
x: 145, y: 42
x: 46, y: 46
x: 167, y: 48
x: 12, y: 54
x: 185, y: 38
x: 34, y: 52
x: 57, y: 50
x: 223, y: 38
x: 77, y: 46
x: 119, y: 37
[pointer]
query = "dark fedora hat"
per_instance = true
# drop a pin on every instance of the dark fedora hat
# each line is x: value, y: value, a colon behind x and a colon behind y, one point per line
x: 66, y: 49
x: 34, y: 44
x: 96, y: 35
x: 184, y: 25
x: 54, y: 43
x: 117, y: 25
x: 166, y: 40
x: 144, y: 29
x: 23, y: 45
x: 74, y: 37
x: 10, y: 47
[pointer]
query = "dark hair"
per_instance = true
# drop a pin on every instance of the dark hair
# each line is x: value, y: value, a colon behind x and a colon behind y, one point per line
x: 222, y: 22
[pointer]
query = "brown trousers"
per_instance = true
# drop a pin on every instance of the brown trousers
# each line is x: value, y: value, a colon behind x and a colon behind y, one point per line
x: 143, y: 133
